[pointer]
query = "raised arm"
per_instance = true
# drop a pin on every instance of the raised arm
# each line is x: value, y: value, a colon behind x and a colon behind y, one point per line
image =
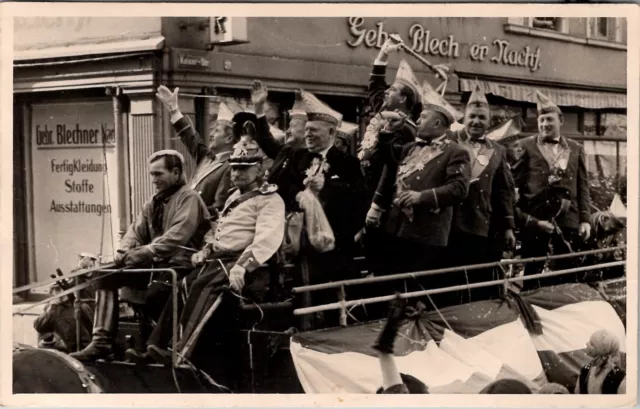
x: 182, y: 125
x: 269, y: 145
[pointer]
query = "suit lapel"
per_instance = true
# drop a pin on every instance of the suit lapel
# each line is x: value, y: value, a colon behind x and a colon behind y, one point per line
x: 418, y: 158
x: 481, y: 161
x: 560, y: 160
x: 206, y: 170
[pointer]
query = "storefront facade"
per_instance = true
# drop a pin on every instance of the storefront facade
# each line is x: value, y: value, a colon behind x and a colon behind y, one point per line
x: 86, y: 115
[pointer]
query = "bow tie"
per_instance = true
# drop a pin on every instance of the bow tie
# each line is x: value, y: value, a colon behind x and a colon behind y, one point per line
x: 551, y: 141
x: 478, y: 140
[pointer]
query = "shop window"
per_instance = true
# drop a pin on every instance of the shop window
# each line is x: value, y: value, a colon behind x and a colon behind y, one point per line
x: 501, y: 113
x: 570, y: 125
x: 613, y: 125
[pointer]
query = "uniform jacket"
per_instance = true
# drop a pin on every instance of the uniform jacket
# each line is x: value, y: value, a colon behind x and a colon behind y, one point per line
x: 490, y: 198
x: 374, y: 159
x: 184, y: 222
x: 537, y: 164
x: 254, y: 229
x: 343, y: 195
x: 441, y: 175
x: 212, y: 177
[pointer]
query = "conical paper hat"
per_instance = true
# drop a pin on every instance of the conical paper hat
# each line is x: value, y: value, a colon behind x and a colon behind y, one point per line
x: 432, y: 100
x: 225, y: 116
x: 506, y: 132
x: 319, y: 111
x: 545, y: 105
x: 297, y: 111
x: 346, y: 130
x: 406, y: 77
x: 477, y: 96
x: 617, y: 208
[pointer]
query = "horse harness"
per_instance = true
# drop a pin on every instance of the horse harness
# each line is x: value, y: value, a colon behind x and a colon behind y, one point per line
x: 86, y: 378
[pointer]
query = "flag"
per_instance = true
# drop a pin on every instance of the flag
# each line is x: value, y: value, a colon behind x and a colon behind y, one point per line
x: 464, y: 348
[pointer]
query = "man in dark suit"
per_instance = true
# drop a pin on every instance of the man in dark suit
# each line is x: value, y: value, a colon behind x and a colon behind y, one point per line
x: 211, y: 178
x: 381, y: 140
x: 490, y: 199
x: 402, y: 96
x: 554, y: 204
x: 420, y: 192
x: 332, y: 175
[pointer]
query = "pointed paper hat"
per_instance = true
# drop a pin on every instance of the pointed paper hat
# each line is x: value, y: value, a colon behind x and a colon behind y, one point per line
x: 406, y: 77
x: 319, y: 111
x: 346, y: 131
x: 477, y: 96
x: 225, y: 116
x: 506, y: 132
x: 245, y: 153
x: 617, y: 208
x: 297, y: 110
x: 432, y: 100
x: 545, y: 105
x: 166, y: 152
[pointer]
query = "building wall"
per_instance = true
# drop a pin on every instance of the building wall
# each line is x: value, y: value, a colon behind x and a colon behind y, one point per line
x: 353, y: 41
x: 43, y: 32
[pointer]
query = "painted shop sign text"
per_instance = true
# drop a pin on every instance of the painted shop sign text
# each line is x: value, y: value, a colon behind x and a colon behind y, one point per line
x: 499, y: 51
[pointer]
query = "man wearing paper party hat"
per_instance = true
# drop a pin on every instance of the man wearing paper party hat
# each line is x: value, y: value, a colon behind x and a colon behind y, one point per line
x: 488, y: 209
x: 388, y: 104
x: 211, y: 178
x: 420, y: 192
x: 554, y: 204
x: 344, y: 136
x: 333, y: 176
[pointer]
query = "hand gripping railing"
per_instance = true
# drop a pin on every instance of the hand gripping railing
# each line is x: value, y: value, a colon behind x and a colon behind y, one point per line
x: 342, y: 304
x: 108, y: 271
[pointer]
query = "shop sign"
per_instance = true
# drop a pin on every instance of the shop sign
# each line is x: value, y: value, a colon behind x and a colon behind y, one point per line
x: 74, y: 183
x: 497, y: 51
x: 193, y: 61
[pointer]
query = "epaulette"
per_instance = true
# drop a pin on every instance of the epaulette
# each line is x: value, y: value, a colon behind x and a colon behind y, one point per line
x: 268, y: 189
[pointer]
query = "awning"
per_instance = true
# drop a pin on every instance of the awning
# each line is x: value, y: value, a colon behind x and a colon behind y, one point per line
x: 72, y: 50
x: 562, y: 97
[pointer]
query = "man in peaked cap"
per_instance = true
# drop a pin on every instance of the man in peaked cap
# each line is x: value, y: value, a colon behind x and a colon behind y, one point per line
x: 211, y: 178
x: 334, y: 176
x: 247, y: 233
x: 174, y: 219
x: 403, y: 96
x: 420, y: 192
x: 488, y: 208
x: 554, y: 195
x: 344, y: 136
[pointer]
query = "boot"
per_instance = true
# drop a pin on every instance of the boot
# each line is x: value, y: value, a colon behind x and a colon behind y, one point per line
x: 388, y: 335
x: 105, y: 328
x: 161, y: 356
x: 136, y: 357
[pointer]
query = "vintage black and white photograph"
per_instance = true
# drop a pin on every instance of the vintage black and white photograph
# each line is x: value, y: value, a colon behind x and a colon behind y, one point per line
x: 321, y: 205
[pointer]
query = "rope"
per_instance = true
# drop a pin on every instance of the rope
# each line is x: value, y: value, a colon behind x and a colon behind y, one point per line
x: 435, y: 307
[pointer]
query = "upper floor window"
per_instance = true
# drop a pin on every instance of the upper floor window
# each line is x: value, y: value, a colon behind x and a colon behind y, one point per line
x: 608, y: 32
x: 605, y: 28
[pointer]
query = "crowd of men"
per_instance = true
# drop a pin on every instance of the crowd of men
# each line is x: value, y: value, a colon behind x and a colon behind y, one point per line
x: 417, y: 196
